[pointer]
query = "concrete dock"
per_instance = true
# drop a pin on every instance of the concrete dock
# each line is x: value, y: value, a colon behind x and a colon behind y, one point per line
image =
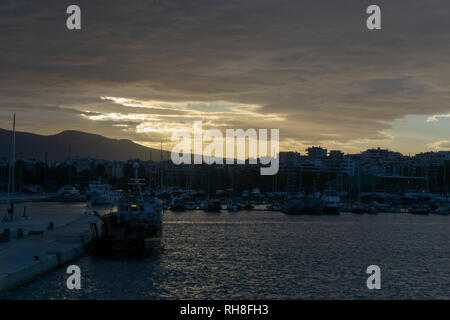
x: 40, y: 250
x: 19, y: 198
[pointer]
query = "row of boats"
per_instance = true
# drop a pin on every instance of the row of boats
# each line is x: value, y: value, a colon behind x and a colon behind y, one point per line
x: 330, y: 203
x: 211, y: 205
x: 98, y: 193
x: 327, y: 203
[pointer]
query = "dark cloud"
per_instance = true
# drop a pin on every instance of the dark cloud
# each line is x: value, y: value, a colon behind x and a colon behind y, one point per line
x: 391, y: 86
x: 313, y: 63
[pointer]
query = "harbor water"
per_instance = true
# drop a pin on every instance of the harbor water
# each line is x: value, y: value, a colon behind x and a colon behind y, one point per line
x: 265, y: 255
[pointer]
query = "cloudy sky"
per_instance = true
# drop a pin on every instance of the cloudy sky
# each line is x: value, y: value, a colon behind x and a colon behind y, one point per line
x: 142, y: 69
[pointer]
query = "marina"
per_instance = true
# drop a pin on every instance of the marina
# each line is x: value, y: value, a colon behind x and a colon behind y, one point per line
x: 224, y: 150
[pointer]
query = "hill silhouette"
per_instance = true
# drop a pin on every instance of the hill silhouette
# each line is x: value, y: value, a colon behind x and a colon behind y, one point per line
x: 77, y: 144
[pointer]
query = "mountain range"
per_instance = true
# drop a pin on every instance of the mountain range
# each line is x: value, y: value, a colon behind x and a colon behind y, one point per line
x: 75, y: 144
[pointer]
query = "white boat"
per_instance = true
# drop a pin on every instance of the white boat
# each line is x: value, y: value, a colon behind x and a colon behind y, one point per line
x: 69, y: 193
x: 331, y: 202
x: 101, y: 193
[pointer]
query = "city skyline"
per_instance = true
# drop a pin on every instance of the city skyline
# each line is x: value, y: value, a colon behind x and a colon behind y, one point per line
x: 166, y: 156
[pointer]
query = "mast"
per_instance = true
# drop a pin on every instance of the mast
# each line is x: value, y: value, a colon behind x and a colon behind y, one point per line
x: 359, y: 180
x: 161, y: 169
x: 445, y: 181
x: 70, y: 164
x: 11, y: 196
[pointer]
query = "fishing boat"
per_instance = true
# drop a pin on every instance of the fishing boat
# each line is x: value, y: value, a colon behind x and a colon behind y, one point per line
x: 135, y: 229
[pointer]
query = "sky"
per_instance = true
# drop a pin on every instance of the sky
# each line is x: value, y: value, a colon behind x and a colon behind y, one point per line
x: 143, y: 69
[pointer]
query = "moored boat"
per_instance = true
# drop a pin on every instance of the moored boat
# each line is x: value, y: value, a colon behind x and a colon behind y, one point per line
x: 443, y: 210
x: 213, y: 205
x: 331, y: 202
x: 191, y: 205
x: 232, y: 207
x: 358, y: 208
x: 294, y: 204
x: 69, y: 193
x: 274, y: 207
x: 99, y: 193
x: 135, y: 229
x: 420, y: 209
x: 312, y: 204
x: 177, y: 205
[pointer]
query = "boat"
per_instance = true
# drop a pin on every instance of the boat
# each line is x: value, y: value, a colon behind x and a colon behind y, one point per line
x: 69, y: 193
x: 203, y: 205
x: 134, y: 229
x: 247, y: 205
x: 420, y: 209
x: 177, y: 205
x: 372, y: 210
x: 443, y: 210
x: 191, y: 205
x: 274, y: 207
x: 358, y: 208
x: 294, y: 204
x: 99, y: 193
x: 213, y: 205
x: 331, y: 202
x: 232, y: 207
x: 312, y: 204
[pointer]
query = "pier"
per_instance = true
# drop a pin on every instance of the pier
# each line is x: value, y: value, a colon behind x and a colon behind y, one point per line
x: 39, y: 246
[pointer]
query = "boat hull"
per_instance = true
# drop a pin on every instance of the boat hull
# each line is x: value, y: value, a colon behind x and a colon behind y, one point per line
x: 420, y: 212
x: 330, y: 210
x: 125, y: 248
